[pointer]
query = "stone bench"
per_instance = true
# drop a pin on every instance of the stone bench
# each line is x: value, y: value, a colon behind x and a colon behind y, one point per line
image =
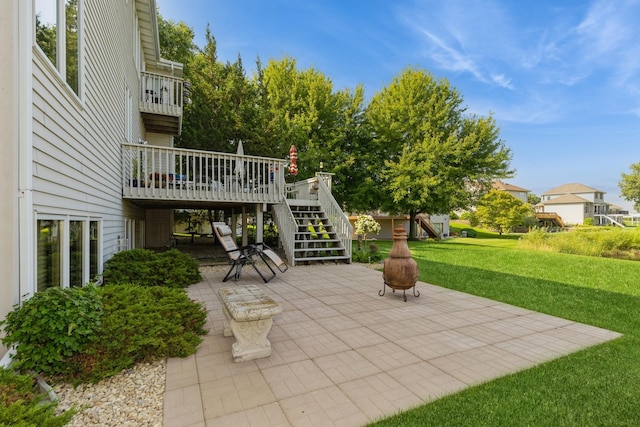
x: 248, y: 316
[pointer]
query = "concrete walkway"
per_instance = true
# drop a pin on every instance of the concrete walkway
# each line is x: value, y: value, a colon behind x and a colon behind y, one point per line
x: 344, y: 356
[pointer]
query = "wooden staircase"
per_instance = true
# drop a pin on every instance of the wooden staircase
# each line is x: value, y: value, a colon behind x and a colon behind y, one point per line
x: 549, y: 219
x: 316, y: 240
x: 424, y: 222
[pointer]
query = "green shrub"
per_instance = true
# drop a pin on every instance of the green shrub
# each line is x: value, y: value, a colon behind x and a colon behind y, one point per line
x: 140, y: 324
x: 147, y: 268
x: 22, y: 404
x: 373, y: 255
x: 52, y: 326
x: 470, y: 232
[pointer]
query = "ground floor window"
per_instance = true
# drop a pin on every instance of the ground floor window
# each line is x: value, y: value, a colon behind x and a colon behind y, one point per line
x: 69, y: 250
x: 49, y: 253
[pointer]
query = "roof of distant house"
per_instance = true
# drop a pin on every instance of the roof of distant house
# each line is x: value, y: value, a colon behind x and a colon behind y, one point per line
x: 500, y: 185
x: 572, y: 189
x: 565, y: 199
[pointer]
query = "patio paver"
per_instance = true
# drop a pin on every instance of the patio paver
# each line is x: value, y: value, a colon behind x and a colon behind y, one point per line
x: 344, y: 356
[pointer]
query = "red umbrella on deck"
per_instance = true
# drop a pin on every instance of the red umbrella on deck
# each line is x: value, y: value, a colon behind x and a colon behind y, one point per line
x: 293, y: 161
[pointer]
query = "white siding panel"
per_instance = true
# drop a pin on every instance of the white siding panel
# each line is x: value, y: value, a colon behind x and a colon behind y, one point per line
x: 570, y: 214
x: 76, y: 143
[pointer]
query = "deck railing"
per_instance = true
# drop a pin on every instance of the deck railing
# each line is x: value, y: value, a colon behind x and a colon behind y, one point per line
x: 318, y: 188
x: 160, y: 94
x: 161, y: 173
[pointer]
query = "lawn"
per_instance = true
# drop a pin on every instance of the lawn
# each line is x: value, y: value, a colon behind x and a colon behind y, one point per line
x: 599, y: 386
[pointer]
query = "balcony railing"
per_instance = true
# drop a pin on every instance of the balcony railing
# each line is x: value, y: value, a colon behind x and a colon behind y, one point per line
x: 160, y: 103
x: 174, y: 174
x: 160, y: 94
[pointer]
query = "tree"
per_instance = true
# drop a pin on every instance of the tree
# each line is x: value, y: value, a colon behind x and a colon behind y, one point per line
x: 430, y: 153
x: 176, y: 41
x: 630, y: 186
x: 500, y: 211
x: 532, y: 199
x: 365, y: 224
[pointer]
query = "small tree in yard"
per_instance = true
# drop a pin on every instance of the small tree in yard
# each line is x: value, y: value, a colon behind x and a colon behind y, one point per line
x: 500, y: 211
x: 630, y: 186
x: 365, y: 224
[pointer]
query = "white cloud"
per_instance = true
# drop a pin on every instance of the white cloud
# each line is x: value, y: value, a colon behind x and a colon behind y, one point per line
x: 502, y: 81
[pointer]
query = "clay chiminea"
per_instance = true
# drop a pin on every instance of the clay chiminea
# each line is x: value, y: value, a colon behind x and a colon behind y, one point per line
x: 400, y: 270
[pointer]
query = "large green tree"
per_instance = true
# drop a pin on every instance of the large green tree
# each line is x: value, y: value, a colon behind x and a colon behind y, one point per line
x: 176, y: 42
x: 500, y: 211
x: 301, y: 109
x: 432, y: 155
x: 630, y: 186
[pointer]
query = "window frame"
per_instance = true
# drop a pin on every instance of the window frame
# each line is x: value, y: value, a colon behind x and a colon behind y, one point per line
x: 65, y: 257
x: 60, y: 67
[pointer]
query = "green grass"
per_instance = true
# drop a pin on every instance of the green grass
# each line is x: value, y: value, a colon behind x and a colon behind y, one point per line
x: 599, y: 386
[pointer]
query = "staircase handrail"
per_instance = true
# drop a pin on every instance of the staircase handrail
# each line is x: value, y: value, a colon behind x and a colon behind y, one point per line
x: 613, y: 221
x: 336, y: 216
x: 287, y: 228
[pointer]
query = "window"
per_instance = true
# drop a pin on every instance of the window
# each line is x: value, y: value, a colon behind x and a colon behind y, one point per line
x: 49, y: 273
x: 94, y: 249
x: 57, y: 34
x: 69, y: 251
x: 76, y: 252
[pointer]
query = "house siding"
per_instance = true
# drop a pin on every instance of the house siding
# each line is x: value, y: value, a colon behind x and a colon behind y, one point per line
x: 570, y: 214
x: 9, y: 160
x: 76, y: 141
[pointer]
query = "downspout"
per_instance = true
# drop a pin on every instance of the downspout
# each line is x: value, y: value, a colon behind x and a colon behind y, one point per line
x: 26, y: 219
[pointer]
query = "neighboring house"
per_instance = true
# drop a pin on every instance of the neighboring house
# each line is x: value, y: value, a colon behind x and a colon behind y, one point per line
x: 88, y: 120
x: 574, y: 203
x: 435, y: 226
x: 517, y: 192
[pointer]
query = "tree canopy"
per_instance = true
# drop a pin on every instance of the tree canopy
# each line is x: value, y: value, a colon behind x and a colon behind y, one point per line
x: 431, y: 153
x: 412, y: 149
x: 630, y: 186
x: 500, y: 211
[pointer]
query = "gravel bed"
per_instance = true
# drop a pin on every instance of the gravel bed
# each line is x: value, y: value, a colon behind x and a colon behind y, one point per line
x: 132, y: 398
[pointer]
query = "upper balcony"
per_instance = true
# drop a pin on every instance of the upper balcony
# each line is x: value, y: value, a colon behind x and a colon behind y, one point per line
x: 172, y: 177
x: 160, y: 103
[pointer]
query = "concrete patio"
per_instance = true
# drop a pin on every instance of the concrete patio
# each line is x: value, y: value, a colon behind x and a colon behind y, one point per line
x: 344, y: 356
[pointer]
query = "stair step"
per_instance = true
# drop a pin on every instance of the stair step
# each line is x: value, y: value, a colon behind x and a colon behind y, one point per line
x: 300, y: 250
x: 324, y: 258
x: 318, y: 241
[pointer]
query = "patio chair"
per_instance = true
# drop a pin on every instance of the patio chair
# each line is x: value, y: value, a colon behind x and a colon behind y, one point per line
x: 259, y: 256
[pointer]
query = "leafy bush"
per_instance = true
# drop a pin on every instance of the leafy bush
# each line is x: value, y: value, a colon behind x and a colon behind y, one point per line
x: 52, y: 326
x: 140, y: 324
x: 147, y: 268
x: 22, y: 404
x: 373, y: 255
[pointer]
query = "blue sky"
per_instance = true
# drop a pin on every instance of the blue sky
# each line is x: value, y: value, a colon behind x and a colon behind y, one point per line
x: 561, y: 77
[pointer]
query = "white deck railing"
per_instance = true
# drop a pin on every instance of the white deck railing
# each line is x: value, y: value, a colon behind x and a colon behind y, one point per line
x: 160, y: 94
x: 317, y: 188
x: 160, y: 173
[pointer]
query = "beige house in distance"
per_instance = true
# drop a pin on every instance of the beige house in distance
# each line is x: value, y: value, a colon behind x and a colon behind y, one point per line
x: 574, y: 203
x: 517, y: 192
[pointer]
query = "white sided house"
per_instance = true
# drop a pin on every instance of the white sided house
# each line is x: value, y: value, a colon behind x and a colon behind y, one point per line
x: 574, y: 203
x: 89, y: 168
x: 429, y: 226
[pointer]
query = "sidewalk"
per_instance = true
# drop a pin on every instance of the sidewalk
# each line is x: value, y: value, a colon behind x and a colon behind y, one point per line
x: 344, y: 356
